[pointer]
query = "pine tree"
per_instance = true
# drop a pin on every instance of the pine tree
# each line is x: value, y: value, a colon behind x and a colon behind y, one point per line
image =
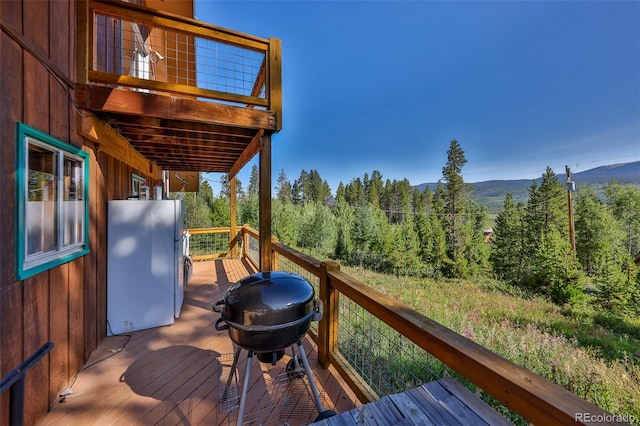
x: 344, y: 214
x: 476, y: 249
x: 407, y: 248
x: 354, y: 193
x: 625, y: 204
x: 248, y: 211
x: 455, y: 201
x: 439, y: 200
x: 545, y: 214
x: 254, y: 182
x: 364, y: 232
x: 376, y: 189
x: 225, y: 187
x: 557, y: 273
x: 417, y: 201
x: 595, y: 229
x: 403, y: 194
x: 285, y: 220
x: 283, y: 188
x: 614, y: 279
x: 197, y: 212
x: 221, y: 212
x: 206, y: 194
x: 506, y: 253
x: 318, y: 229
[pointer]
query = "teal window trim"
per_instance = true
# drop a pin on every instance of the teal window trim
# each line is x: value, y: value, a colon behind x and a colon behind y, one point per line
x: 58, y: 256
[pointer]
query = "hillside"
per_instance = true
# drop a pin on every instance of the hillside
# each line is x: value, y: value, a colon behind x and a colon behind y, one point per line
x: 577, y: 348
x: 491, y: 193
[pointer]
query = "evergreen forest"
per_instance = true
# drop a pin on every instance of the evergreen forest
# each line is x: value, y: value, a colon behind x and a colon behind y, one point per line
x: 391, y: 227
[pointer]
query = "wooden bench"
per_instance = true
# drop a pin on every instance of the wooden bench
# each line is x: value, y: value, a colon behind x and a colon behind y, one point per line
x: 442, y: 402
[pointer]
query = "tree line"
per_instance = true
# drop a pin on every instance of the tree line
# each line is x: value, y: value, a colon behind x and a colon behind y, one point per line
x: 390, y: 226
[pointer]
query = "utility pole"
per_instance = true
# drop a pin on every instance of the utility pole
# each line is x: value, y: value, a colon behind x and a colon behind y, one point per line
x: 571, y: 186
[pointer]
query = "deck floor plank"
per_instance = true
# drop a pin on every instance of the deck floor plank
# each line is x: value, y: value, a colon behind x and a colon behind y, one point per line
x: 429, y: 404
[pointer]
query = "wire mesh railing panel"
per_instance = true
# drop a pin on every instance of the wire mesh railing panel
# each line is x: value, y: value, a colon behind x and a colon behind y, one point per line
x: 202, y: 245
x: 228, y: 68
x: 287, y: 265
x: 385, y: 359
x: 169, y: 55
x: 253, y: 249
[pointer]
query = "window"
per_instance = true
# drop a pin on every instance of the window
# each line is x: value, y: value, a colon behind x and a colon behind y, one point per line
x: 52, y: 218
x: 137, y: 182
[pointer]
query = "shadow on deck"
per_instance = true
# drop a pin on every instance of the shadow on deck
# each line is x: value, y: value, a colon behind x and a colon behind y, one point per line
x: 175, y: 375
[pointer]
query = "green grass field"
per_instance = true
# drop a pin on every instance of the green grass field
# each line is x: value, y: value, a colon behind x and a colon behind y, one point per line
x: 590, y: 353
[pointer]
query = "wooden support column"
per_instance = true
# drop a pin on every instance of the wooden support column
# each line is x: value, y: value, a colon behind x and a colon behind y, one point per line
x: 328, y: 326
x: 265, y: 203
x: 233, y: 232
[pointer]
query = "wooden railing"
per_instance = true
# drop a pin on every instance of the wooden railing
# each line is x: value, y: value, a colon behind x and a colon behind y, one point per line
x: 153, y: 51
x: 531, y: 396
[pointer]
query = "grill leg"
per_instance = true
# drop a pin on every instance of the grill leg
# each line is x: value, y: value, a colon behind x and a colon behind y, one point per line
x: 245, y: 387
x: 312, y: 383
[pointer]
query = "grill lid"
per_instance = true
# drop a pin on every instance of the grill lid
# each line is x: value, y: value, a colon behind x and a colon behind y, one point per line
x: 268, y: 299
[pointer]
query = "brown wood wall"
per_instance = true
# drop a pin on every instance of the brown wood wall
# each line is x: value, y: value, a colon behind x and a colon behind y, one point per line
x: 67, y: 304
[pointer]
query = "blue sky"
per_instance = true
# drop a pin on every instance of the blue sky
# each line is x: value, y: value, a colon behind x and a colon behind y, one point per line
x: 386, y: 85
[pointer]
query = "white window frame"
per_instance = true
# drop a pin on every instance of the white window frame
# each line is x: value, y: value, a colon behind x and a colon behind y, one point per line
x: 27, y: 264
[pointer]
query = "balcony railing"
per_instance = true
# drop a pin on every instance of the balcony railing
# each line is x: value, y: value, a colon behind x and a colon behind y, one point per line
x: 154, y: 52
x: 380, y: 346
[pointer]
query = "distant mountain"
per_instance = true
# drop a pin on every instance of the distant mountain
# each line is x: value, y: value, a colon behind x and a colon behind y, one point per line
x: 491, y: 193
x: 622, y: 173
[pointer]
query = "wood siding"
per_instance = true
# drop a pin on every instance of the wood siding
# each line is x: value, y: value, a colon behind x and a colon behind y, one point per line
x: 67, y: 304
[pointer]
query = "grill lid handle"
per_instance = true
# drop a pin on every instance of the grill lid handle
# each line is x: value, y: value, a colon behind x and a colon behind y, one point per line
x: 221, y: 327
x: 216, y: 306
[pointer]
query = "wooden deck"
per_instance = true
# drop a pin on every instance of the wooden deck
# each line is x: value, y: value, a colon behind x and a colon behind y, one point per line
x: 442, y: 402
x: 175, y: 375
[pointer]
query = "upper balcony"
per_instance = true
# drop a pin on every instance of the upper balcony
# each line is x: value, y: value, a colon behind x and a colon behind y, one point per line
x: 187, y: 95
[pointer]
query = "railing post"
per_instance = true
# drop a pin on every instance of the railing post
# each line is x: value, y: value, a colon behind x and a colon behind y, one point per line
x: 328, y: 325
x: 274, y: 255
x: 275, y: 79
x: 233, y: 233
x: 245, y: 241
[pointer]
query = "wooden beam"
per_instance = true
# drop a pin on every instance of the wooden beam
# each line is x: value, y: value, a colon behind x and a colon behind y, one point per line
x: 233, y: 232
x: 328, y: 325
x: 83, y: 42
x: 275, y: 80
x: 179, y: 22
x: 247, y: 155
x: 119, y: 101
x: 265, y: 204
x: 111, y: 143
x: 179, y: 89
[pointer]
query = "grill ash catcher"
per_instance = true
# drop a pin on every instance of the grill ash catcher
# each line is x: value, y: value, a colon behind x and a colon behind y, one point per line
x: 265, y: 313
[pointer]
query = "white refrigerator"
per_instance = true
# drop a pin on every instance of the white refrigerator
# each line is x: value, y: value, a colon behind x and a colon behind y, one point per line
x: 145, y: 256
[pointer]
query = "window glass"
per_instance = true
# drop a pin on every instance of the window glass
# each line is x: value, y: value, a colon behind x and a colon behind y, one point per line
x: 73, y: 205
x: 41, y: 204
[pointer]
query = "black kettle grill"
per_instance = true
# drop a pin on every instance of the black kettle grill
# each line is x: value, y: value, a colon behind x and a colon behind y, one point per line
x: 265, y: 313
